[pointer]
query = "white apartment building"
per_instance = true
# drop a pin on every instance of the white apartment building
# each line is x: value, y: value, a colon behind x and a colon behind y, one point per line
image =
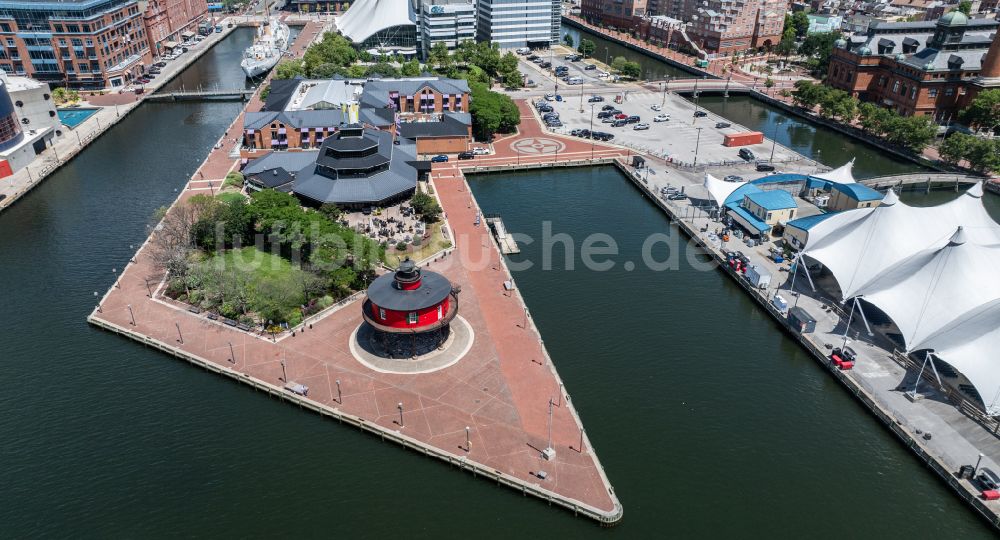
x: 519, y: 23
x: 447, y: 21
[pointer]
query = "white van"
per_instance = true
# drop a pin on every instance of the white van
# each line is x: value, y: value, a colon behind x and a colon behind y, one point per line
x: 574, y: 80
x: 523, y: 50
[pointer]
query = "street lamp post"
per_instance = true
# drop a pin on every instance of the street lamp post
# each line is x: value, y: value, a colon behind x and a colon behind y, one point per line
x: 468, y: 441
x: 340, y: 398
x: 978, y: 461
x: 592, y: 131
x: 549, y: 452
x: 697, y: 143
x: 115, y: 272
x: 284, y: 374
x: 131, y: 314
x: 180, y: 337
x: 232, y: 353
x: 400, y: 407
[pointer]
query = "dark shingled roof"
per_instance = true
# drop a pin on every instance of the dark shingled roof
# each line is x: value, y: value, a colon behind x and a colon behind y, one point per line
x: 281, y: 93
x: 385, y: 293
x: 451, y: 125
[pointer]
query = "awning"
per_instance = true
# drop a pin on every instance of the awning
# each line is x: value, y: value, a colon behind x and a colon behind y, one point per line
x: 170, y: 44
x: 187, y: 35
x: 747, y: 220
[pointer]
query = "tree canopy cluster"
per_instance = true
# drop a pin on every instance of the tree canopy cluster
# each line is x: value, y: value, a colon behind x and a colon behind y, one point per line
x: 911, y: 132
x: 626, y: 67
x: 492, y: 112
x: 982, y: 154
x: 333, y: 259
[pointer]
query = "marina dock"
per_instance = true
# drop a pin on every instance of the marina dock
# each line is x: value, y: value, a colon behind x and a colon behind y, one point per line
x: 505, y: 241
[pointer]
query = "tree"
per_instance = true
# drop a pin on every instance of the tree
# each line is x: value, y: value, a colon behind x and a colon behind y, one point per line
x: 586, y: 47
x: 769, y: 83
x: 956, y: 148
x: 426, y: 205
x: 818, y: 47
x: 331, y: 211
x: 411, y: 69
x: 787, y: 44
x: 439, y: 55
x: 326, y: 71
x: 568, y: 40
x: 508, y: 63
x: 632, y: 70
x: 984, y: 154
x: 466, y: 51
x: 800, y: 22
x: 491, y: 112
x: 619, y: 63
x: 512, y: 79
x: 965, y: 6
x: 289, y: 69
x: 807, y: 94
x: 837, y: 104
x: 983, y: 114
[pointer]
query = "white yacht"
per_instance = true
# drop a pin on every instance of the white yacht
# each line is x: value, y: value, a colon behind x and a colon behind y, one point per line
x: 270, y: 43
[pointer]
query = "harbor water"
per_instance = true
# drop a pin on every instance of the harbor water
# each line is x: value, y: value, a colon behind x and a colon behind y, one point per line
x: 709, y: 421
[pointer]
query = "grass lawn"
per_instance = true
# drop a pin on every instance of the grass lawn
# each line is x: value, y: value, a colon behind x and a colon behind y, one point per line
x: 230, y: 197
x: 432, y: 245
x: 262, y: 264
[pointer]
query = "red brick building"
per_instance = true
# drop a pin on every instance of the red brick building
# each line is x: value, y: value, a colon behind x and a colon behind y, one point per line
x: 86, y: 44
x: 170, y: 21
x: 925, y: 68
x: 620, y: 14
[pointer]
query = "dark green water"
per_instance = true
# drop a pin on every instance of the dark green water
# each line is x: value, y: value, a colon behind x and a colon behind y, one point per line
x: 607, y: 50
x: 708, y: 420
x: 820, y: 143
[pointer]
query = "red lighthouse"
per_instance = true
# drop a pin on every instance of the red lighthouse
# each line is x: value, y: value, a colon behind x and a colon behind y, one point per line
x: 411, y: 302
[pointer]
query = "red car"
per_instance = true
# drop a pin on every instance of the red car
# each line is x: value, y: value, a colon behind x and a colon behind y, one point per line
x: 622, y: 116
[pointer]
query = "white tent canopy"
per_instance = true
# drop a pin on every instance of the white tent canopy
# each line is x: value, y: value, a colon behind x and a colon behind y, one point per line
x: 840, y: 175
x: 366, y: 17
x: 928, y: 290
x: 969, y: 344
x: 931, y: 270
x: 720, y: 190
x: 859, y: 245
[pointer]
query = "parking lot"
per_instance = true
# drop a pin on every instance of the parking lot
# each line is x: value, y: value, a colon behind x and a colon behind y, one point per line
x: 678, y: 138
x: 545, y: 78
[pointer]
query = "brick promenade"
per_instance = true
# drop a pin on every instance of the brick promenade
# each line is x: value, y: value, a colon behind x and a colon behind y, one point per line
x: 501, y: 389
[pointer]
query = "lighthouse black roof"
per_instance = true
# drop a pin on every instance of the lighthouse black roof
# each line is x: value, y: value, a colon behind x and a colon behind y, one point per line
x: 388, y: 290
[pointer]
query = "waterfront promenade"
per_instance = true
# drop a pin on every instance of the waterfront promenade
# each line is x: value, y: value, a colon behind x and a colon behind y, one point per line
x: 501, y: 389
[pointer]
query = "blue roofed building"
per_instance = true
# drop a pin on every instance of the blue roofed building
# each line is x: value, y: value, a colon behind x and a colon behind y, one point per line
x: 759, y: 211
x: 851, y: 196
x: 796, y: 232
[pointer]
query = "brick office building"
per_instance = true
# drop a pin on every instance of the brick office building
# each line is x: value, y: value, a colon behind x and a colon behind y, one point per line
x: 301, y: 114
x: 926, y: 68
x: 86, y: 44
x: 171, y: 21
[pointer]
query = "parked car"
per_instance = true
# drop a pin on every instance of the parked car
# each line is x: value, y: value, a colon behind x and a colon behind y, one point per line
x: 720, y: 125
x: 733, y: 178
x: 595, y: 99
x: 619, y: 123
x: 656, y: 108
x: 604, y: 114
x: 661, y: 118
x: 764, y: 167
x: 640, y: 127
x: 466, y: 155
x: 632, y: 119
x: 531, y: 57
x: 545, y: 109
x: 677, y: 197
x: 574, y: 80
x: 746, y: 154
x: 531, y: 83
x: 480, y: 151
x: 554, y: 124
x: 550, y: 96
x: 700, y: 114
x: 585, y: 133
x: 621, y: 116
x: 589, y: 67
x: 988, y: 479
x: 439, y: 159
x: 576, y: 58
x: 537, y: 60
x: 545, y: 64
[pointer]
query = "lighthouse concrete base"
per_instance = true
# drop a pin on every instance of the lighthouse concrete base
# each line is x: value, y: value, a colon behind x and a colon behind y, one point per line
x: 367, y: 347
